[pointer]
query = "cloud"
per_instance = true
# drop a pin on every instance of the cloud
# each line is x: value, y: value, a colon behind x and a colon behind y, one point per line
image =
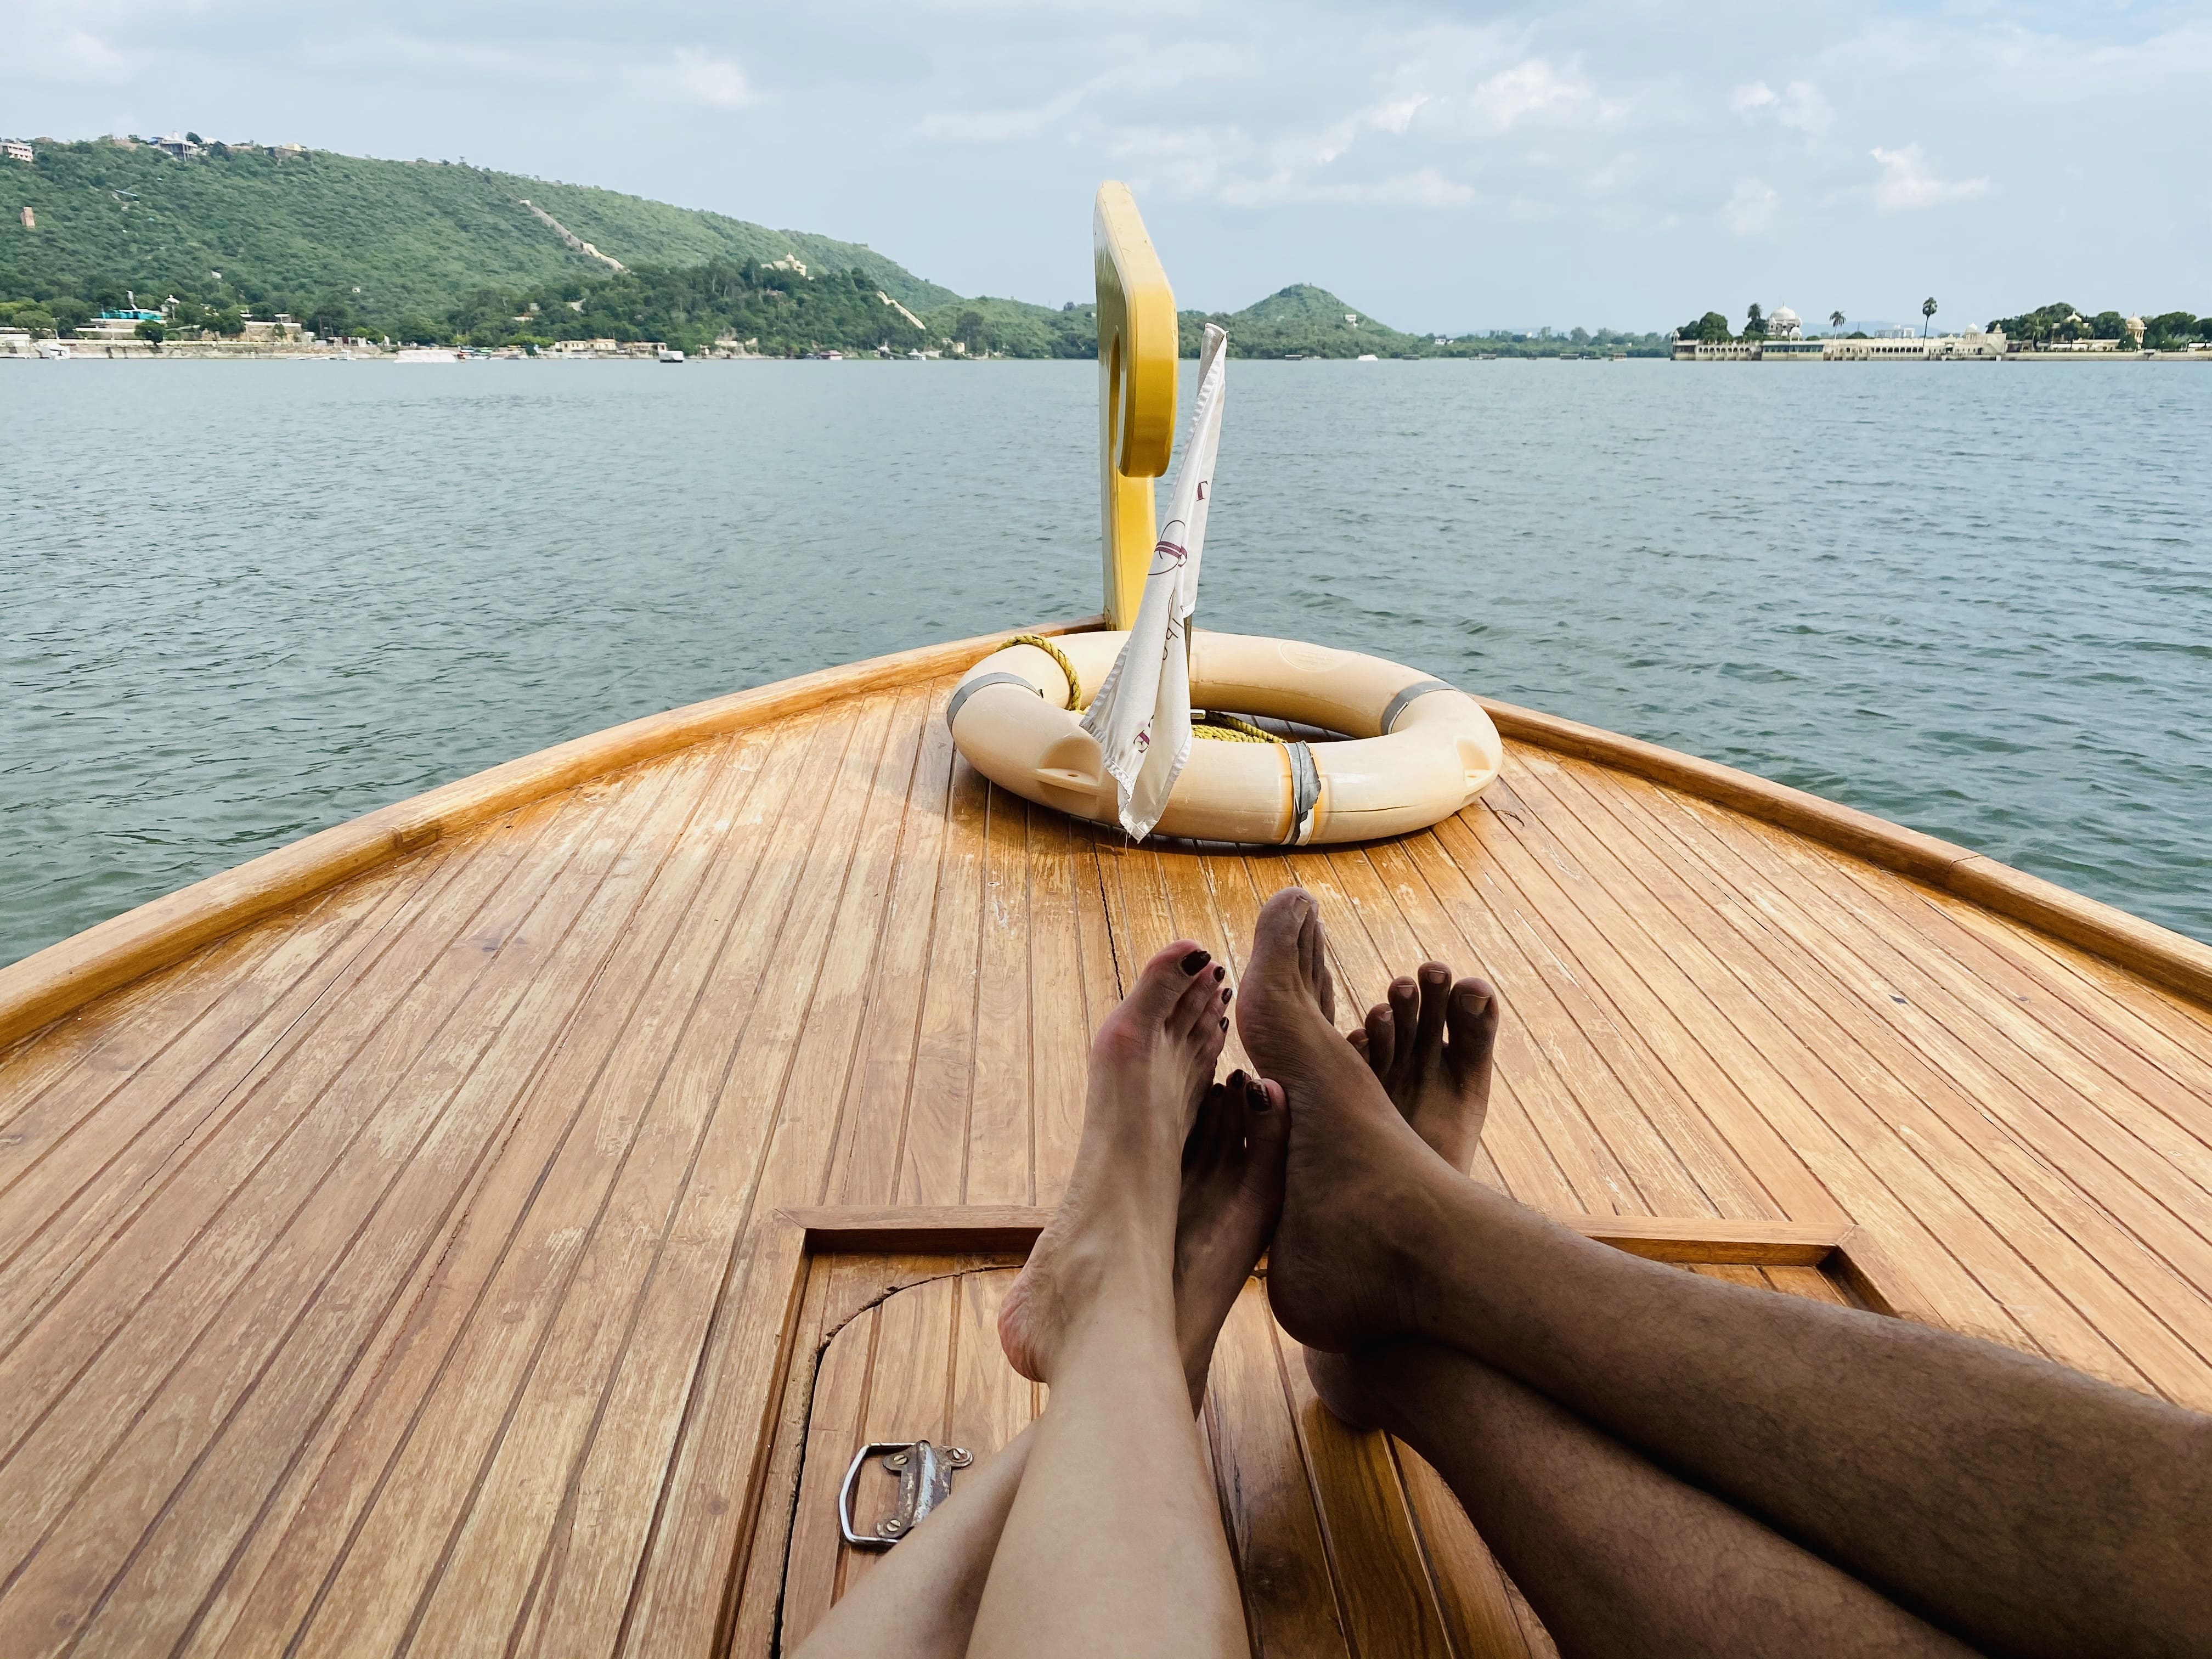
x: 50, y: 45
x: 711, y: 80
x: 1534, y: 87
x: 1751, y: 209
x: 1799, y: 105
x: 1906, y: 183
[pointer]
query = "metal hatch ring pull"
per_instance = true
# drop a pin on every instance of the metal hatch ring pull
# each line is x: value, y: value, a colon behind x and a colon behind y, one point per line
x: 924, y: 1478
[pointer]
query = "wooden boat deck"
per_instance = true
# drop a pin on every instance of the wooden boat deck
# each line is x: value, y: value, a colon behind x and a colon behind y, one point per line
x: 387, y: 1250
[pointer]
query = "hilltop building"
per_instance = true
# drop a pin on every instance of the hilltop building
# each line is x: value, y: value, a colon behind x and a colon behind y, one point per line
x: 17, y: 149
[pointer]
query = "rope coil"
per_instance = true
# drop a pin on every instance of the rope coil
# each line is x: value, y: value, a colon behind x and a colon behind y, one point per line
x: 1227, y: 728
x: 1074, y: 685
x: 1209, y: 723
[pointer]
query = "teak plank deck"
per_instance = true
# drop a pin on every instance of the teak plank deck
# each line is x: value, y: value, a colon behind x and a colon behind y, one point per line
x: 389, y: 1251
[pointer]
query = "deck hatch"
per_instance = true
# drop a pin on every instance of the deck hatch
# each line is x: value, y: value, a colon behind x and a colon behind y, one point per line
x: 1341, y: 1539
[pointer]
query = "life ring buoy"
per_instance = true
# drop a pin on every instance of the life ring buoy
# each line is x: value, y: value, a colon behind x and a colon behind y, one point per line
x: 1415, y: 750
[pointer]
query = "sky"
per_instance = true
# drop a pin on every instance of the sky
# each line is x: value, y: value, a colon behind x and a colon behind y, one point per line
x: 1624, y: 163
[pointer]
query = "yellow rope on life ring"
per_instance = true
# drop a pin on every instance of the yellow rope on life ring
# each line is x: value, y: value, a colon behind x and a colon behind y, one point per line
x: 1227, y: 728
x: 1074, y: 685
x: 1215, y: 725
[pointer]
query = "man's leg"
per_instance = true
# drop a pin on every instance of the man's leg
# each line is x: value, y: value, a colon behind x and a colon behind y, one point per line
x: 2021, y: 1505
x: 920, y: 1603
x: 1618, y: 1556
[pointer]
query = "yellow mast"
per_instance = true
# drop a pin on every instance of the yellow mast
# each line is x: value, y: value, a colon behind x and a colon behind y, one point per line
x: 1137, y: 352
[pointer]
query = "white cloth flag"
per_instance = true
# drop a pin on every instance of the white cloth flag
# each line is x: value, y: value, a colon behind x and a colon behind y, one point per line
x: 1141, y: 715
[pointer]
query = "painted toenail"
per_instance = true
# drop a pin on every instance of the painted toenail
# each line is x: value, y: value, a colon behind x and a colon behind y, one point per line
x: 1256, y: 1096
x: 1225, y: 1022
x: 1220, y: 972
x: 1196, y: 960
x: 1226, y: 993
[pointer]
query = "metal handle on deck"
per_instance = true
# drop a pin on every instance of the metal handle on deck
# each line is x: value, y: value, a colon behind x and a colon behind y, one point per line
x: 924, y: 1478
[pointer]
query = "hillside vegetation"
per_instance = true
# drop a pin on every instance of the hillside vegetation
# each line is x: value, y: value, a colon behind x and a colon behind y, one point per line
x: 440, y: 253
x: 388, y: 242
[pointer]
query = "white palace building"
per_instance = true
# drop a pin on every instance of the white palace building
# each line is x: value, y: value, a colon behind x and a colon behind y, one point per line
x: 1785, y: 342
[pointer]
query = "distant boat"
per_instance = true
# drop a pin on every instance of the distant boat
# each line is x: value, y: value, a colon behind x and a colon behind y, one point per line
x: 670, y: 355
x: 53, y: 349
x: 1369, y: 357
x: 427, y: 355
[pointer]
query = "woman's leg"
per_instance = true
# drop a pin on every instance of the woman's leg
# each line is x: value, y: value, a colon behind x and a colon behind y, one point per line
x: 1115, y: 1543
x: 920, y: 1603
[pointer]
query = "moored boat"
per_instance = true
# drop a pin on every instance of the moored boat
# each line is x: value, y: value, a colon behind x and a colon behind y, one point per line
x: 495, y: 1223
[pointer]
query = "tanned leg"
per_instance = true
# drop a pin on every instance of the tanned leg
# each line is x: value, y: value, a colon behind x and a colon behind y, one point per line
x: 1114, y: 1544
x: 1616, y: 1555
x: 2020, y: 1505
x: 1619, y: 1559
x: 920, y: 1603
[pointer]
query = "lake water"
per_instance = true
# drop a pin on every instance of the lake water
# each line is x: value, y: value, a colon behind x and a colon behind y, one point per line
x: 246, y: 601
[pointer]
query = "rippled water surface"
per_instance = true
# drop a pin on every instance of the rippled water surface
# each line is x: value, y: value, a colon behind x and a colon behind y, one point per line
x: 246, y: 601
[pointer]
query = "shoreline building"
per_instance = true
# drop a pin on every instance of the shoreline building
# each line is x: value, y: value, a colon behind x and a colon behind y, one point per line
x: 1785, y: 341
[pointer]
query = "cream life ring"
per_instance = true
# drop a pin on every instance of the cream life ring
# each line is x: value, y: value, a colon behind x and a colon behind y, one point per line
x: 1416, y: 751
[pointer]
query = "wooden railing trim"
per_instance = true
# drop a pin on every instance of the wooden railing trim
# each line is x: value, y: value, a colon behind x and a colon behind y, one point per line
x: 46, y: 986
x: 50, y: 984
x: 2173, y: 960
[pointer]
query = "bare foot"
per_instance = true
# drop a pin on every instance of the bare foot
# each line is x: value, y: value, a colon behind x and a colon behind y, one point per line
x: 1232, y: 1196
x: 1334, y: 1277
x: 1114, y: 1231
x: 1442, y: 1088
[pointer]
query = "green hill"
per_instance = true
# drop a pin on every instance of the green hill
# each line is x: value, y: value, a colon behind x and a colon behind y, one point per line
x: 392, y: 240
x: 1302, y: 321
x: 435, y: 251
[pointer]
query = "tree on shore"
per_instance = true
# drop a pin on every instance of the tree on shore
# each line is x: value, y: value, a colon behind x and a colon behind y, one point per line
x: 2056, y: 321
x: 2171, y: 328
x: 1712, y: 327
x: 1835, y: 319
x: 1754, y: 323
x: 1927, y: 314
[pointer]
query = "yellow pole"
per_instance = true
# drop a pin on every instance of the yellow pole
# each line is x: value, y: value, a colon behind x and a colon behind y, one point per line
x: 1137, y: 352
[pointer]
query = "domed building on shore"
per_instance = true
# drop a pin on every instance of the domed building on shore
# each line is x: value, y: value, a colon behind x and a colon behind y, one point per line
x: 1786, y: 337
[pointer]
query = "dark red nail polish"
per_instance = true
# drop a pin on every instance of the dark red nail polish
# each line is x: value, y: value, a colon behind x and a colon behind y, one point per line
x: 1196, y: 960
x: 1255, y: 1095
x: 1225, y: 994
x: 1225, y: 1022
x: 1218, y: 970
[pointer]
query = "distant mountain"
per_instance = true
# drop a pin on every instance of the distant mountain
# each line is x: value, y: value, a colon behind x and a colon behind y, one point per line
x: 1303, y: 321
x: 393, y: 240
x: 1301, y: 302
